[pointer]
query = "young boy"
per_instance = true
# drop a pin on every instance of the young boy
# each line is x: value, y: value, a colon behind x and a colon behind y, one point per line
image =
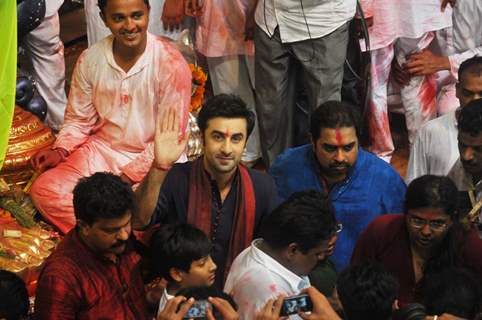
x: 181, y: 254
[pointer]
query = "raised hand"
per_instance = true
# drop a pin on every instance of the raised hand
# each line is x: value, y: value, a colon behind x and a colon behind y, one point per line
x: 425, y: 63
x: 322, y: 309
x: 168, y: 147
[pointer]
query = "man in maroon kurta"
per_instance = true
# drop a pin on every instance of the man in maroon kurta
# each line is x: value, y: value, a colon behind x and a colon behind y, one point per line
x: 94, y: 273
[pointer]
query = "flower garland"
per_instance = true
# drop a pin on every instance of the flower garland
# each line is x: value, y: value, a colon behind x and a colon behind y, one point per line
x: 199, y: 78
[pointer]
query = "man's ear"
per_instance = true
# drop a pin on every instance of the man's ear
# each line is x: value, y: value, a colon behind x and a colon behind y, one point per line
x: 291, y: 250
x: 176, y: 274
x: 83, y: 227
x: 395, y: 305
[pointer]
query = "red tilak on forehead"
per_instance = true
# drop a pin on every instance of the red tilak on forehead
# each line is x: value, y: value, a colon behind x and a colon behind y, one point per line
x: 227, y: 134
x: 339, y: 138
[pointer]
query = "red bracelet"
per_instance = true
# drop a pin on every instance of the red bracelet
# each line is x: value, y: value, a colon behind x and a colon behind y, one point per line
x: 161, y: 167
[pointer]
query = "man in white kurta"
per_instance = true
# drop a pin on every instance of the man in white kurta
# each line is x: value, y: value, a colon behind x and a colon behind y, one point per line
x: 400, y: 28
x: 110, y: 120
x: 297, y: 40
x: 255, y: 277
x: 435, y: 149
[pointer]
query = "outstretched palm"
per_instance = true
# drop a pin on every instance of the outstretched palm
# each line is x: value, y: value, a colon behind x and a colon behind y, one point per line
x: 168, y: 146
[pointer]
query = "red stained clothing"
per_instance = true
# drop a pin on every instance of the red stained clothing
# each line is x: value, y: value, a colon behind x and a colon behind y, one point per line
x: 77, y: 283
x: 386, y: 241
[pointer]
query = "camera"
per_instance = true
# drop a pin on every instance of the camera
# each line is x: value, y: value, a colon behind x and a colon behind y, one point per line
x: 198, y: 310
x: 296, y: 304
x: 411, y: 311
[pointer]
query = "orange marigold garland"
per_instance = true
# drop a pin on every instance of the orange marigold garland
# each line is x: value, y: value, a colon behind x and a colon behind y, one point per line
x: 199, y: 78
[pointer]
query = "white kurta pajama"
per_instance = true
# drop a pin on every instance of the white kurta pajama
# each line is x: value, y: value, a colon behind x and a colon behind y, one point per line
x: 110, y: 120
x: 401, y: 27
x: 220, y: 37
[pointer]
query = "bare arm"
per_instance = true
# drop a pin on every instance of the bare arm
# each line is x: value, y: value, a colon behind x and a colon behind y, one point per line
x: 168, y: 147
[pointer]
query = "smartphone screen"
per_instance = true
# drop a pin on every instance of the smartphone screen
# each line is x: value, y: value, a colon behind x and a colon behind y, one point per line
x: 295, y: 304
x: 198, y: 310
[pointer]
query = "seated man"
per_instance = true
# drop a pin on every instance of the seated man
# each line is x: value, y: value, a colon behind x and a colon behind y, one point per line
x: 367, y: 292
x: 94, y: 273
x: 118, y: 87
x: 181, y: 254
x: 426, y: 238
x: 435, y: 149
x: 215, y: 193
x: 467, y: 170
x: 360, y: 185
x: 295, y: 237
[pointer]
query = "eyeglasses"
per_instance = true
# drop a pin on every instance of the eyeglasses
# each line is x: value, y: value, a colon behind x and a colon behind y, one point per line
x: 434, y: 225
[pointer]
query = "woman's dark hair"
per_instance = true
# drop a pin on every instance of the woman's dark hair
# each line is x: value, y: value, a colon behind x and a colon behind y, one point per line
x: 14, y: 303
x: 453, y: 290
x: 102, y: 195
x: 306, y: 218
x: 431, y: 191
x: 334, y: 114
x: 227, y: 106
x: 177, y: 246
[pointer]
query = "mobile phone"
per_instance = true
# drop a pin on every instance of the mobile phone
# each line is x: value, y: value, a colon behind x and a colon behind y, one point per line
x: 198, y: 310
x: 295, y: 304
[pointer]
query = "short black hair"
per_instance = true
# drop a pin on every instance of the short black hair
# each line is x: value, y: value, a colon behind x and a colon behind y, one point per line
x: 471, y: 66
x: 469, y: 119
x: 225, y: 106
x: 306, y: 218
x: 332, y: 115
x: 103, y: 3
x: 177, y: 246
x: 14, y: 302
x: 367, y: 291
x: 453, y: 290
x: 430, y: 191
x: 103, y: 195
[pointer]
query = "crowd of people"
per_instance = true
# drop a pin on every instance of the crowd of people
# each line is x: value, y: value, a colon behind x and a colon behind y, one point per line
x: 150, y: 235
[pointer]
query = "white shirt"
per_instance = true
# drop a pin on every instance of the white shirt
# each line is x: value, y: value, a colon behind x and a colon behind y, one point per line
x: 467, y: 25
x: 393, y: 19
x: 435, y: 149
x: 255, y: 277
x: 322, y: 17
x: 118, y: 108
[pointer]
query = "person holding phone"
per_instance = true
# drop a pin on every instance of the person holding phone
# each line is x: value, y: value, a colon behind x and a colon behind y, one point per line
x: 296, y: 236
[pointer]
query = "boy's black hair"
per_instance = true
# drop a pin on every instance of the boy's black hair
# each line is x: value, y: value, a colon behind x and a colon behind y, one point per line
x: 469, y: 119
x: 177, y: 246
x: 14, y: 303
x: 227, y: 106
x: 306, y: 218
x: 102, y: 196
x: 367, y: 291
x: 471, y: 66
